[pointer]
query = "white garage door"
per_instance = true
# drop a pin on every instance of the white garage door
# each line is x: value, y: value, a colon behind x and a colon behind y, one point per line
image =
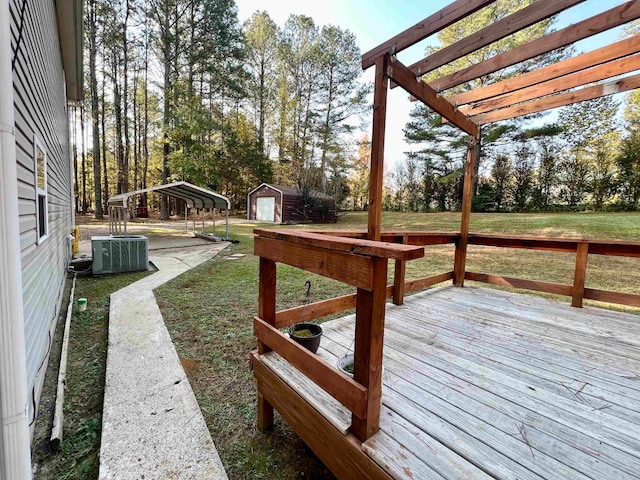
x: 266, y: 209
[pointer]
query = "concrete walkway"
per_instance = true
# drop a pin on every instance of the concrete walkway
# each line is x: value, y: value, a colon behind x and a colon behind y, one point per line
x: 152, y: 426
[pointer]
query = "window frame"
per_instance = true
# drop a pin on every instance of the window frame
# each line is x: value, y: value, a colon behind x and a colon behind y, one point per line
x: 37, y: 145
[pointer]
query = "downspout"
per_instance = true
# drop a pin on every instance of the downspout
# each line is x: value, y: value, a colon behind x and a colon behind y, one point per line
x: 15, y: 451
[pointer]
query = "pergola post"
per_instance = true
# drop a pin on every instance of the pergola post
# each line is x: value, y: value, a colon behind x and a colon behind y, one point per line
x: 467, y: 197
x: 377, y: 148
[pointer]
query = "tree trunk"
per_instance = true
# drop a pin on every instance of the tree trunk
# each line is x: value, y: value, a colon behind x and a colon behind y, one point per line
x: 84, y: 162
x: 95, y: 113
x: 262, y: 107
x: 191, y: 54
x: 117, y: 107
x: 145, y: 142
x: 166, y: 119
x: 136, y: 158
x: 104, y: 145
x: 325, y: 135
x: 125, y: 100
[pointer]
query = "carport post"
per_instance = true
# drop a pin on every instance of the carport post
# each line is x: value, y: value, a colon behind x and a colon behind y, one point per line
x: 194, y: 219
x: 125, y: 214
x: 226, y: 235
x: 186, y: 220
x: 203, y: 210
x: 214, y: 221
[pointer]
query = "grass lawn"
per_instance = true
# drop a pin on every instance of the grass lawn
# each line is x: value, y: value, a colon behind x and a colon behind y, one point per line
x: 209, y: 314
x: 79, y: 456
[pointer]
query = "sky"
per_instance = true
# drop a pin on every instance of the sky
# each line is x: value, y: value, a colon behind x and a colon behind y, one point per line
x: 375, y: 21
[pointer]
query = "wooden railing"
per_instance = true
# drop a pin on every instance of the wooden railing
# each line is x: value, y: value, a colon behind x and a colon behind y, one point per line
x: 356, y: 262
x: 400, y: 286
x: 348, y: 257
x: 582, y: 249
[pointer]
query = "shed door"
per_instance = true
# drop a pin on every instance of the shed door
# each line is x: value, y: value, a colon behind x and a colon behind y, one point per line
x: 266, y: 209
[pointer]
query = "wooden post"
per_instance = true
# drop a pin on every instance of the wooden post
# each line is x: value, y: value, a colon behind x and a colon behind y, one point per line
x: 461, y: 247
x: 267, y: 312
x: 377, y: 148
x: 398, y: 277
x: 580, y: 274
x: 370, y: 311
x: 58, y: 415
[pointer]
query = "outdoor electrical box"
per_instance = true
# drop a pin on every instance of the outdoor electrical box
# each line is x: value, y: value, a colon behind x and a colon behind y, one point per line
x: 121, y: 253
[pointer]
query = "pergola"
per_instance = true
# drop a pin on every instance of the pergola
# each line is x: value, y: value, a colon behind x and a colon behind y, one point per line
x: 192, y: 195
x: 339, y: 416
x: 539, y: 90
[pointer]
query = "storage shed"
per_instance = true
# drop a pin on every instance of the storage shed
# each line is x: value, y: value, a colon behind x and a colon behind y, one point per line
x: 281, y: 204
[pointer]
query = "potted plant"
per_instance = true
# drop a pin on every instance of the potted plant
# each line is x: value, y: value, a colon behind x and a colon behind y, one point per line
x: 306, y: 334
x: 346, y: 364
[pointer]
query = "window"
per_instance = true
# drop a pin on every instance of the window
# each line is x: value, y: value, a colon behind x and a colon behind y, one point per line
x: 42, y: 222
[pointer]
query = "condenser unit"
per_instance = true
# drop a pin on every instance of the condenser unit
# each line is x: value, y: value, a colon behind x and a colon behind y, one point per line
x: 124, y: 253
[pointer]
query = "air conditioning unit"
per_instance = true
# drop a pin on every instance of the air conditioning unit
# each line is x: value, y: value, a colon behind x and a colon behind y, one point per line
x: 122, y: 253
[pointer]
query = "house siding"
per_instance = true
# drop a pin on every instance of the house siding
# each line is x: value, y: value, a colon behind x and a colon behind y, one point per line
x: 40, y: 112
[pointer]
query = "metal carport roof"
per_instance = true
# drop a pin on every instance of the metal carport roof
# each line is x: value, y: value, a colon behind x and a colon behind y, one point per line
x: 196, y: 197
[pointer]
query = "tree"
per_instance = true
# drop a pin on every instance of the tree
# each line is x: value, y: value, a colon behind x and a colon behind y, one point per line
x: 341, y: 96
x: 359, y: 175
x: 628, y: 164
x: 501, y: 174
x: 165, y: 14
x: 298, y: 55
x: 546, y: 175
x: 632, y: 109
x: 522, y: 176
x: 92, y: 45
x: 261, y: 34
x: 602, y: 178
x: 585, y: 126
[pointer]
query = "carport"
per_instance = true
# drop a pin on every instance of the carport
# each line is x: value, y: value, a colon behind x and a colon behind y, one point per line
x: 194, y: 197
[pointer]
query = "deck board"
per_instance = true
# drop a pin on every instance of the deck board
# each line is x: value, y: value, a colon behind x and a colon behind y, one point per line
x: 494, y: 418
x: 524, y: 368
x: 481, y: 383
x: 535, y: 355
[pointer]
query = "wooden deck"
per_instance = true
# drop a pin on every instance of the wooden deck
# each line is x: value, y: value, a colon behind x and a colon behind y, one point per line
x: 480, y: 383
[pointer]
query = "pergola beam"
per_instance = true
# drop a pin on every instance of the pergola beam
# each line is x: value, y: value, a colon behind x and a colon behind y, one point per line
x: 430, y: 25
x: 560, y: 100
x: 602, y: 22
x: 582, y: 62
x: 404, y: 77
x: 592, y: 75
x: 534, y: 13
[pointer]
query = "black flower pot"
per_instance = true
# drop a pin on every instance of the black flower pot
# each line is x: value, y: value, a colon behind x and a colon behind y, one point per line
x: 306, y: 334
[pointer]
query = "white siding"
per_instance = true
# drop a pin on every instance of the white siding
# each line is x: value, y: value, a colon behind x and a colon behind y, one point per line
x: 40, y: 111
